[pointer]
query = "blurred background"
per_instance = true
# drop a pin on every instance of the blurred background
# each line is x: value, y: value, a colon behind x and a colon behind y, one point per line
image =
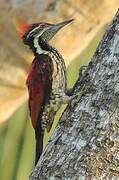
x: 76, y: 42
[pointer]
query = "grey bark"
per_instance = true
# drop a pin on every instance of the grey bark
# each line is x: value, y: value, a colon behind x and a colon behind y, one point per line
x: 85, y: 144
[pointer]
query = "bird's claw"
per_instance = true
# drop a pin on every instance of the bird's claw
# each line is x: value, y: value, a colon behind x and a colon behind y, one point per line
x: 74, y: 99
x: 81, y: 70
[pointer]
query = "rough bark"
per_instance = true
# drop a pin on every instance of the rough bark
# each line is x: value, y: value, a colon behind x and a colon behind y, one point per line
x: 85, y: 144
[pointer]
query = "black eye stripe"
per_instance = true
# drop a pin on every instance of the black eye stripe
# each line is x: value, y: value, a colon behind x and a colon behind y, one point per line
x: 30, y: 33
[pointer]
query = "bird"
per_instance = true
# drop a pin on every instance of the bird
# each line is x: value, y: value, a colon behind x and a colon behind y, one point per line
x: 47, y: 78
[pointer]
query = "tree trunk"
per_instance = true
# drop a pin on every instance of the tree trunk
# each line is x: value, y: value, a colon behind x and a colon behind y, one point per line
x: 85, y: 144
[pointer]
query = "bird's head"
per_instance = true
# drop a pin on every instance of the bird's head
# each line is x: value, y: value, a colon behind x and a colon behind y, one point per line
x: 35, y: 34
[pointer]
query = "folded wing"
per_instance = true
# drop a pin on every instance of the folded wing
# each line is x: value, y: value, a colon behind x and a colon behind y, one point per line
x: 39, y: 84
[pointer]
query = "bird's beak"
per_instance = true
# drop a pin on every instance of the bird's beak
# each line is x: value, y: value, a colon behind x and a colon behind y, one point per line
x: 53, y: 29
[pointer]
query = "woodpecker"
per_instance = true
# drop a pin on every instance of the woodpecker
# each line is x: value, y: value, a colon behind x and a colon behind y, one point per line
x: 47, y: 78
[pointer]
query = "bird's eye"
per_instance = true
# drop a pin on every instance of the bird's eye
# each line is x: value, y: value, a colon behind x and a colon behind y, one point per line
x: 32, y: 33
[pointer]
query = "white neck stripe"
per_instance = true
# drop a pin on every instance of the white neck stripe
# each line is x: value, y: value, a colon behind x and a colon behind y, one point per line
x: 39, y: 50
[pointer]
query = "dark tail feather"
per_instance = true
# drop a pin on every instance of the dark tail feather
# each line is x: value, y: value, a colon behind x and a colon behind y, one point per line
x: 39, y: 143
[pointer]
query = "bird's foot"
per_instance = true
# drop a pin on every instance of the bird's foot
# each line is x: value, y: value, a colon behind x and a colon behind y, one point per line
x: 82, y: 70
x: 75, y: 99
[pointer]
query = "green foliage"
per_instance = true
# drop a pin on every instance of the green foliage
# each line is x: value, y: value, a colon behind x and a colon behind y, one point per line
x: 17, y: 151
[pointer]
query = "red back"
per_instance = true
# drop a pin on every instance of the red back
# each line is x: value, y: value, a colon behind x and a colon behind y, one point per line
x: 39, y: 84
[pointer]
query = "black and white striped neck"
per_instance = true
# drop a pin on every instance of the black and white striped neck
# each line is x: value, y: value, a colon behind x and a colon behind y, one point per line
x: 40, y: 46
x: 59, y: 74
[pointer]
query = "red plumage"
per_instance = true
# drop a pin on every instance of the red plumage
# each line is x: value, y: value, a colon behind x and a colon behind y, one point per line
x: 39, y: 84
x: 23, y: 28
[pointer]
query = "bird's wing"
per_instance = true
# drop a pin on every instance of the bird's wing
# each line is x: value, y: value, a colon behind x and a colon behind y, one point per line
x: 39, y: 84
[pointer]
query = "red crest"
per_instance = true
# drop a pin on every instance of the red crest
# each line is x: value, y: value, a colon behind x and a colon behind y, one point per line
x: 23, y: 28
